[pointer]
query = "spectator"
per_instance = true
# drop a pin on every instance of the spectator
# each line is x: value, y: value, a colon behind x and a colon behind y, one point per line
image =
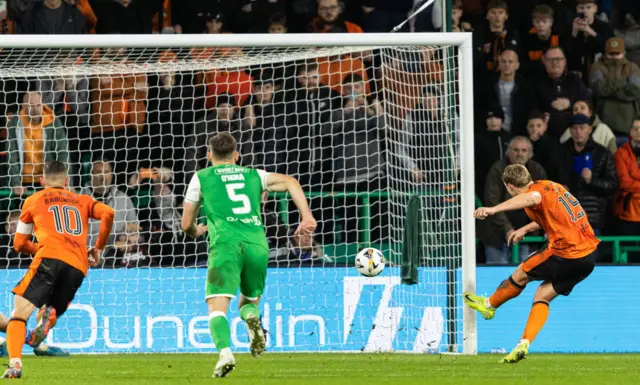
x: 511, y: 92
x: 168, y: 245
x: 330, y: 19
x: 631, y: 36
x: 118, y: 114
x: 7, y: 26
x: 589, y: 38
x: 563, y: 15
x: 601, y: 134
x: 593, y: 176
x: 356, y: 162
x: 102, y: 190
x: 277, y: 24
x: 224, y: 118
x: 457, y: 25
x: 216, y: 24
x: 496, y: 37
x: 626, y: 201
x: 539, y: 39
x: 615, y: 82
x: 254, y: 16
x: 267, y: 118
x: 171, y: 109
x: 354, y: 89
x: 126, y: 16
x: 233, y: 81
x: 546, y: 149
x: 497, y: 229
x: 68, y: 97
x: 86, y: 10
x: 53, y: 17
x: 8, y: 256
x: 383, y: 15
x: 424, y: 130
x: 308, y: 105
x: 35, y: 136
x: 489, y: 146
x: 556, y: 91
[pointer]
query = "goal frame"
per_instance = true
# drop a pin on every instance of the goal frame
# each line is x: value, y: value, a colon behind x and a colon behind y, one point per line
x: 465, y: 81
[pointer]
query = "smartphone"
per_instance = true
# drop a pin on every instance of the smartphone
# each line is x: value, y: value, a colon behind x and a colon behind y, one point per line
x: 581, y: 15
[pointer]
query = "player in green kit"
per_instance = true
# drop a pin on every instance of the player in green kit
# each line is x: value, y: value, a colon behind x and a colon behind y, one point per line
x: 238, y: 250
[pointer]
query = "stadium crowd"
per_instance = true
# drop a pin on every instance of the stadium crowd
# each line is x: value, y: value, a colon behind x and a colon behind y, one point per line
x: 558, y: 84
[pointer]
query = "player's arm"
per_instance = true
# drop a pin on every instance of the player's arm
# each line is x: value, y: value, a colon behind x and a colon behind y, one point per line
x: 285, y: 183
x: 531, y: 227
x: 105, y: 214
x: 191, y: 208
x: 518, y: 202
x: 22, y: 240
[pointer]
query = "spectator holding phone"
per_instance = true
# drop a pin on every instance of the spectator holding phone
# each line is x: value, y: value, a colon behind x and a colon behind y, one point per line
x: 593, y: 178
x: 589, y: 37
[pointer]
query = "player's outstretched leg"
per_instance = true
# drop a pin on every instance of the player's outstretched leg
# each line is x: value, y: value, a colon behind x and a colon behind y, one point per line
x: 16, y: 335
x: 40, y: 350
x: 45, y: 323
x: 250, y: 313
x: 537, y: 318
x: 508, y: 289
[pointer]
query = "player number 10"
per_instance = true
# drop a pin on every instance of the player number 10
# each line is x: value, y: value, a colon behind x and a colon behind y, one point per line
x: 569, y: 202
x: 62, y: 219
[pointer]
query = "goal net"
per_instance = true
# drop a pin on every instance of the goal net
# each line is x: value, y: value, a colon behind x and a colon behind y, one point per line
x: 375, y: 127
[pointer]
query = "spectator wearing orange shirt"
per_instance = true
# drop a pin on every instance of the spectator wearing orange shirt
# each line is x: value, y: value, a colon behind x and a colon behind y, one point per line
x: 330, y: 19
x: 118, y: 113
x: 35, y: 136
x: 626, y: 200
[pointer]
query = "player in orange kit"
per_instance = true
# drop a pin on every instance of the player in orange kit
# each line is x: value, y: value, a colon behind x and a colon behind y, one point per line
x: 567, y: 259
x: 59, y: 218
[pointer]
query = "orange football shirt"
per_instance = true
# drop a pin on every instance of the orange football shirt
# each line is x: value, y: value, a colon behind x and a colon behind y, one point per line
x: 60, y: 221
x: 563, y: 219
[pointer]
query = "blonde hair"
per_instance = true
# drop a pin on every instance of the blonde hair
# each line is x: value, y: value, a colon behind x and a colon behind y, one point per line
x: 516, y: 175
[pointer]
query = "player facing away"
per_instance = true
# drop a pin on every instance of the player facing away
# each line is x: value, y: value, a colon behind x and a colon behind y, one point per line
x: 238, y: 250
x: 59, y: 219
x: 567, y: 259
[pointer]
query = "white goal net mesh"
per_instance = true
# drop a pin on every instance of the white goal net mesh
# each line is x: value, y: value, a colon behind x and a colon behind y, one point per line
x: 363, y: 129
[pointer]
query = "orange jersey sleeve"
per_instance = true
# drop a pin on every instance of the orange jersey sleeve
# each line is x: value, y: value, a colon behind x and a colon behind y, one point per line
x: 105, y: 214
x: 61, y: 220
x: 563, y: 219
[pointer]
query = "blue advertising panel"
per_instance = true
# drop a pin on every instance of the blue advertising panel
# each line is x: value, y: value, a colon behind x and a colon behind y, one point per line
x: 335, y: 309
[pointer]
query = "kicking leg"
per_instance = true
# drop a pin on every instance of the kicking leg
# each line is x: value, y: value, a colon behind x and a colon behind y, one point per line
x: 42, y: 349
x: 508, y: 289
x: 250, y: 313
x: 221, y: 333
x: 16, y: 334
x: 537, y: 318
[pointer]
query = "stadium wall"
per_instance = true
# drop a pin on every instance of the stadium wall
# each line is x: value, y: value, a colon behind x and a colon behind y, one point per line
x: 333, y: 309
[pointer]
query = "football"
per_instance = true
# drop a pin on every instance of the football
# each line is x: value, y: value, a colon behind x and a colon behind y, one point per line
x: 370, y: 262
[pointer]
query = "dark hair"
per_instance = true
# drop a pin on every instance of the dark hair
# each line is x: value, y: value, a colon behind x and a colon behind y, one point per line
x: 558, y: 48
x: 455, y: 4
x: 543, y: 10
x: 587, y: 102
x: 352, y: 78
x: 537, y: 115
x: 55, y: 168
x: 497, y: 4
x: 583, y: 2
x: 222, y: 145
x: 306, y: 66
x: 278, y: 18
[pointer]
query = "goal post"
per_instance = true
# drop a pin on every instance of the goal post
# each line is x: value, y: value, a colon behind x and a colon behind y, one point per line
x: 364, y: 121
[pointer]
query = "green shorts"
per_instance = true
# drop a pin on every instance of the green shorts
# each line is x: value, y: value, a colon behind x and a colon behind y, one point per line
x: 237, y: 265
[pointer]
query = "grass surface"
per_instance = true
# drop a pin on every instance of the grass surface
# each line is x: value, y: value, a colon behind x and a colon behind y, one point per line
x: 336, y: 369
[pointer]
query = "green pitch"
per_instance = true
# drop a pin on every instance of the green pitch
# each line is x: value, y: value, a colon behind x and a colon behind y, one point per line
x: 336, y: 369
